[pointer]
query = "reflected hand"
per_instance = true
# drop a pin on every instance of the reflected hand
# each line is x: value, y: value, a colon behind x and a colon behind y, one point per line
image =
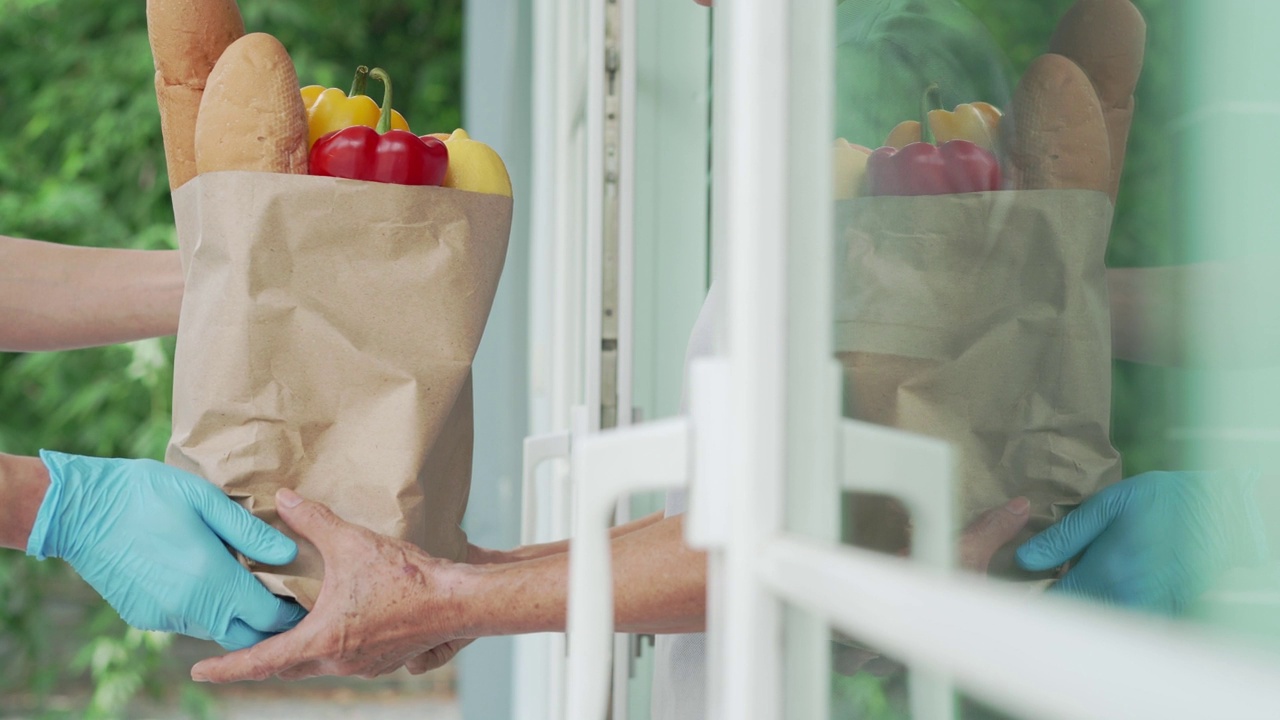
x: 979, y: 542
x: 991, y: 531
x: 383, y: 604
x: 1155, y: 541
x: 150, y: 539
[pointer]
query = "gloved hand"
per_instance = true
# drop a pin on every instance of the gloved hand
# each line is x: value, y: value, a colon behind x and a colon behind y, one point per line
x: 1155, y: 541
x: 149, y: 538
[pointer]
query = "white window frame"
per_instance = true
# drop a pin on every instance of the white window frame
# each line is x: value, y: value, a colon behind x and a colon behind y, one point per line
x: 578, y: 270
x: 1084, y: 663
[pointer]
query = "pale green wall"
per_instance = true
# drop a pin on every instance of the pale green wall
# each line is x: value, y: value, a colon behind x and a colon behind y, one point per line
x: 673, y: 103
x: 496, y: 110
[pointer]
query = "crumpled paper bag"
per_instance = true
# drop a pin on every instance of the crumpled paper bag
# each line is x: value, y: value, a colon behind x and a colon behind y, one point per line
x: 325, y: 344
x: 982, y: 319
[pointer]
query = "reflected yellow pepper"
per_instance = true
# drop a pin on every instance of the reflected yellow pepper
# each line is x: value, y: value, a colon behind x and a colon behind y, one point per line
x: 330, y: 109
x: 977, y: 122
x: 849, y: 168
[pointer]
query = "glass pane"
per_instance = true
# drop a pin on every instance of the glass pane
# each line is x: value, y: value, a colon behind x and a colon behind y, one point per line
x: 1072, y: 288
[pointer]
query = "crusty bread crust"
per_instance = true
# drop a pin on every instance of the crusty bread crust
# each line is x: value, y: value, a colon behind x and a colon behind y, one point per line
x: 1058, y: 136
x: 251, y: 115
x: 187, y: 38
x: 1107, y: 39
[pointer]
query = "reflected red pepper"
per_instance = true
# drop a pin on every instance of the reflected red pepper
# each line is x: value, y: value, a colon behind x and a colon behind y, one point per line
x: 958, y: 166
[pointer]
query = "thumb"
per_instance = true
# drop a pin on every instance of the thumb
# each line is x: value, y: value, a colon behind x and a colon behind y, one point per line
x: 1070, y: 535
x: 312, y: 520
x: 991, y: 531
x: 242, y: 531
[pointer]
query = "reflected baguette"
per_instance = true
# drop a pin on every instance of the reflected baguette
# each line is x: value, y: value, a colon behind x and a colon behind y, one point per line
x: 1107, y: 39
x: 1056, y: 135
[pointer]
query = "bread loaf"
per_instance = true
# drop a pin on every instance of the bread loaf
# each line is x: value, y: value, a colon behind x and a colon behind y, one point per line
x: 1107, y: 39
x: 187, y: 38
x: 1055, y: 134
x: 251, y: 115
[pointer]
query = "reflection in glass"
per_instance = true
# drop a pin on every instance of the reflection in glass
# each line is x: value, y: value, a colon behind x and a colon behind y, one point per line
x: 1076, y: 329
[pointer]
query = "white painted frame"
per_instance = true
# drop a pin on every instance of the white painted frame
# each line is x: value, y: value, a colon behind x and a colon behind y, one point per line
x: 1082, y: 663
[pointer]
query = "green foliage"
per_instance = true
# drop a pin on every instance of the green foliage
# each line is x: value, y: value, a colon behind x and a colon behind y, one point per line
x: 82, y: 162
x: 120, y: 664
x: 862, y: 697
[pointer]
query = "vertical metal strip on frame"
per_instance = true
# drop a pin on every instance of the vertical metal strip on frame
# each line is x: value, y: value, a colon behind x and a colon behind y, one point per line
x: 532, y: 686
x: 594, y: 236
x: 628, y: 67
x: 624, y: 306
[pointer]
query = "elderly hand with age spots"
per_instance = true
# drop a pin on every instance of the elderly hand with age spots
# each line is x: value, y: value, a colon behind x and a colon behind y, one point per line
x: 378, y: 609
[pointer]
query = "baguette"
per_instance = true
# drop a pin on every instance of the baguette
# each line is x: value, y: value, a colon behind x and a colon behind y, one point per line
x: 1057, y: 137
x: 187, y: 38
x: 1107, y: 39
x: 251, y: 115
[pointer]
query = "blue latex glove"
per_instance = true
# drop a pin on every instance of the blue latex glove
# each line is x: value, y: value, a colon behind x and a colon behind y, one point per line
x: 1155, y: 541
x: 149, y: 538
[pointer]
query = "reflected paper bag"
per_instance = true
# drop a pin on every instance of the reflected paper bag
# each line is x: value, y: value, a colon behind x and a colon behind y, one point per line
x: 983, y: 319
x: 325, y: 344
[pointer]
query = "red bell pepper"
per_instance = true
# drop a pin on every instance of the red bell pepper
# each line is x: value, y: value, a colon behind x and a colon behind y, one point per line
x: 923, y: 168
x: 958, y: 166
x: 381, y: 154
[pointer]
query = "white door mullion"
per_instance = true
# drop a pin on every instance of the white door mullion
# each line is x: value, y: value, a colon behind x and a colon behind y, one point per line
x: 652, y: 456
x: 813, y: 376
x: 749, y: 642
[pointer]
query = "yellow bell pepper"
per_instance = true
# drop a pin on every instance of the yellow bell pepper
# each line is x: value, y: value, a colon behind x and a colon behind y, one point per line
x: 849, y: 168
x: 977, y: 122
x: 330, y: 109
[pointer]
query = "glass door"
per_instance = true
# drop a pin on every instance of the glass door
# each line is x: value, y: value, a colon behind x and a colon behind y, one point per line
x: 1074, y: 311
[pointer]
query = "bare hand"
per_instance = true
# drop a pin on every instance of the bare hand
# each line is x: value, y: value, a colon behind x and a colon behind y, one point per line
x: 991, y: 531
x: 383, y: 604
x: 979, y: 542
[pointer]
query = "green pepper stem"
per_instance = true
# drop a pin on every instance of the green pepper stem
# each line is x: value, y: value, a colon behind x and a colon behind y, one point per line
x: 384, y: 121
x: 357, y: 85
x: 932, y: 101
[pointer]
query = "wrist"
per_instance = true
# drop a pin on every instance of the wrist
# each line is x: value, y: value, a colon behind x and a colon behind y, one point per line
x: 469, y: 584
x: 24, y: 487
x: 477, y: 555
x: 509, y: 599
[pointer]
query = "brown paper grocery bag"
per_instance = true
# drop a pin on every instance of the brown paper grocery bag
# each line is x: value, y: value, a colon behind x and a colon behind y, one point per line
x: 325, y: 344
x: 983, y: 319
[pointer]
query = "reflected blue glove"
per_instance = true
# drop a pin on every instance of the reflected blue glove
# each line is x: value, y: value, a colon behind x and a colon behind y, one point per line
x: 149, y: 538
x: 1155, y: 541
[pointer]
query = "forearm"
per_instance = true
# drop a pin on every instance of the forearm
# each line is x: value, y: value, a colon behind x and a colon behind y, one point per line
x: 55, y: 297
x: 23, y: 483
x: 1146, y: 314
x: 1219, y: 313
x: 483, y: 556
x: 659, y: 587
